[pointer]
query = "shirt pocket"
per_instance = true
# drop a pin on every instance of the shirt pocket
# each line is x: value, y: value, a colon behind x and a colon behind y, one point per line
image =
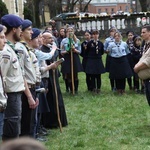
x: 28, y: 58
x: 15, y: 69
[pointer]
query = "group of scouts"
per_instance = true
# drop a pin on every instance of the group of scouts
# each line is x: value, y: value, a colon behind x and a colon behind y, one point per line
x: 120, y: 60
x: 30, y: 95
x: 28, y: 64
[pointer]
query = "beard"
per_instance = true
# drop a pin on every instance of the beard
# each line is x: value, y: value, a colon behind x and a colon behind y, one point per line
x: 16, y: 37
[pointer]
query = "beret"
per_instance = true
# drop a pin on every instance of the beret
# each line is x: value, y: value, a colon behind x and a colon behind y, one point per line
x: 26, y: 23
x: 1, y: 28
x: 11, y: 20
x: 35, y: 33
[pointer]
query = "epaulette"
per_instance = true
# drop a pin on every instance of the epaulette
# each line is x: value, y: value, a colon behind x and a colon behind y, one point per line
x: 8, y: 50
x: 22, y: 47
x: 20, y: 51
x: 6, y: 56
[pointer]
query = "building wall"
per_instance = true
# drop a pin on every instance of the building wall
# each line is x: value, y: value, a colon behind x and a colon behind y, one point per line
x: 15, y: 7
x: 111, y: 8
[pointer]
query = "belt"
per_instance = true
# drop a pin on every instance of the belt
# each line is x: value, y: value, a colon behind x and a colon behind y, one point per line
x: 2, y: 109
x: 31, y: 86
x: 147, y: 80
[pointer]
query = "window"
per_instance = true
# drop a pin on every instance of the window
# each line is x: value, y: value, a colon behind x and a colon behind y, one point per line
x: 99, y: 11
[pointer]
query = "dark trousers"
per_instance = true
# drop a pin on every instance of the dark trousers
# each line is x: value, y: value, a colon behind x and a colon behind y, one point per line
x: 88, y: 81
x: 96, y: 81
x: 27, y: 115
x: 120, y: 84
x: 11, y: 128
x: 112, y: 84
x: 129, y: 80
x: 147, y: 90
x: 136, y: 81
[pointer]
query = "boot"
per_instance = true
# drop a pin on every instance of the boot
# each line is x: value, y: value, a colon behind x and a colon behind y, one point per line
x: 76, y: 83
x: 67, y: 85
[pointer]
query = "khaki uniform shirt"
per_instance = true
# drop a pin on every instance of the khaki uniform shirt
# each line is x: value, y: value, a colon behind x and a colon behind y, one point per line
x: 3, y: 98
x: 26, y: 63
x: 43, y: 66
x: 11, y: 70
x: 145, y: 73
x: 36, y: 66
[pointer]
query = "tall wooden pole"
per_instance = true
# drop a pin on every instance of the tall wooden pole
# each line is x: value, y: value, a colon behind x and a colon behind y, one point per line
x: 72, y: 71
x: 57, y: 104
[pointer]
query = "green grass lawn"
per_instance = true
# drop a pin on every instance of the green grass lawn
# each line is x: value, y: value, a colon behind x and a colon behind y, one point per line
x: 104, y: 121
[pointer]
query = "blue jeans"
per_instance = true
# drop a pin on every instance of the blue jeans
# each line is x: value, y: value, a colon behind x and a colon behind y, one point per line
x: 1, y: 124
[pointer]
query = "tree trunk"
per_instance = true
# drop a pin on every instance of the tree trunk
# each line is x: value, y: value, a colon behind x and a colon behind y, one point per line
x: 55, y: 7
x: 36, y: 13
x: 80, y: 5
x: 86, y: 6
x: 143, y: 4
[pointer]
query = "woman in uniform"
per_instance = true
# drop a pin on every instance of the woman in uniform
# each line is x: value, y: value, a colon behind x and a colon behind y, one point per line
x: 87, y: 36
x: 130, y: 35
x: 119, y: 65
x: 136, y: 55
x: 72, y: 65
x: 94, y: 65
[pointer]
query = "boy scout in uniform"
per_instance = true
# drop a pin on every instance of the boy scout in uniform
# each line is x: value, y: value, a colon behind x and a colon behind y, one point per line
x: 3, y: 96
x: 12, y: 77
x: 28, y: 61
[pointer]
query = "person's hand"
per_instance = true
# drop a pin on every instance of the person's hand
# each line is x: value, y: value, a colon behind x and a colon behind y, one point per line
x: 46, y: 90
x: 54, y: 65
x: 54, y: 47
x: 135, y: 69
x: 32, y: 103
x: 36, y: 103
x: 75, y: 50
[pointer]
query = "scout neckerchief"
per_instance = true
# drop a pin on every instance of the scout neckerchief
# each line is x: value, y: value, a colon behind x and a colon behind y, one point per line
x: 13, y: 47
x: 118, y: 45
x: 27, y: 47
x: 137, y: 49
x: 96, y: 45
x: 70, y: 44
x: 146, y: 47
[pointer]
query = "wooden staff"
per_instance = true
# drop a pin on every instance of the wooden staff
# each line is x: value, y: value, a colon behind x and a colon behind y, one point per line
x: 57, y: 105
x: 72, y: 70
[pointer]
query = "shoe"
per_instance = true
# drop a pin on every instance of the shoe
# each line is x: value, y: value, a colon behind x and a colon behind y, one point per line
x: 137, y: 91
x: 67, y: 91
x: 98, y: 91
x: 43, y: 129
x: 41, y: 139
x: 94, y: 91
x: 42, y: 133
x: 114, y: 89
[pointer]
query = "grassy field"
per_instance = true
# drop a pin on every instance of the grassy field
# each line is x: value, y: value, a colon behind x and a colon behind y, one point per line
x: 104, y: 121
